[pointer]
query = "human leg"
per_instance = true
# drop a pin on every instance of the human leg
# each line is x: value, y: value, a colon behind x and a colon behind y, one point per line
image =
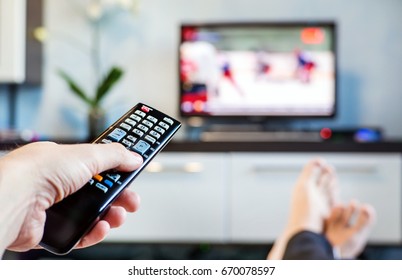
x: 313, y: 196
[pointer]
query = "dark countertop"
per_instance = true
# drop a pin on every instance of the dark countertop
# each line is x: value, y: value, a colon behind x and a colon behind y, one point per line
x: 233, y: 146
x: 283, y: 147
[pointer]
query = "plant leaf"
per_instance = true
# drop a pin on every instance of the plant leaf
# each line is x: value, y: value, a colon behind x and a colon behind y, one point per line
x: 107, y: 83
x: 75, y: 88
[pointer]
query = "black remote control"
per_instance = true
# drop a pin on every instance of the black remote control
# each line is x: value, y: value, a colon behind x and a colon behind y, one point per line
x: 142, y: 129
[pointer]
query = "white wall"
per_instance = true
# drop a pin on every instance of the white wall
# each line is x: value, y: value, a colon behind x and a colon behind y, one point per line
x: 370, y: 57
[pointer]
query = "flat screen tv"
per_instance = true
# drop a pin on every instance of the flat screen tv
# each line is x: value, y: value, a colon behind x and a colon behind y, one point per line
x: 258, y: 69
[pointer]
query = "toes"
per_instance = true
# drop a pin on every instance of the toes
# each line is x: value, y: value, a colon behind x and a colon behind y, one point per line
x: 324, y: 179
x: 328, y: 184
x: 366, y: 216
x: 348, y: 217
x: 335, y: 217
x: 311, y: 170
x: 309, y: 176
x: 327, y: 176
x: 334, y: 191
x: 361, y: 220
x: 336, y: 214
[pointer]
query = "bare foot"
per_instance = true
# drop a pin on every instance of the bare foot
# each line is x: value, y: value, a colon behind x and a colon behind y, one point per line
x: 313, y: 197
x: 348, y: 228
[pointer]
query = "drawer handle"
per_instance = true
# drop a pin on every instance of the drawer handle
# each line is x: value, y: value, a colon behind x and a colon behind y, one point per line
x: 274, y: 168
x: 365, y: 169
x: 190, y: 167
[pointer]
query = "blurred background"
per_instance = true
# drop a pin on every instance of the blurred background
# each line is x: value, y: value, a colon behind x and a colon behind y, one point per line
x: 144, y: 42
x: 60, y: 42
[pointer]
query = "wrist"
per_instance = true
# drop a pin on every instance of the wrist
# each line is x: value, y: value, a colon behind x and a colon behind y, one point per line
x: 15, y: 198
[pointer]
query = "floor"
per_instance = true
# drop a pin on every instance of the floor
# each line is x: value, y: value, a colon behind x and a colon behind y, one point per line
x: 186, y: 252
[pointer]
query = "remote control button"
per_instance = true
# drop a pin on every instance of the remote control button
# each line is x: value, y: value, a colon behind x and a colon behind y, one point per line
x: 101, y: 187
x: 98, y: 177
x: 150, y: 139
x: 131, y: 122
x: 143, y: 127
x: 147, y: 123
x: 155, y: 134
x: 138, y: 132
x: 168, y: 120
x: 132, y: 138
x: 164, y: 125
x: 135, y: 117
x: 113, y: 177
x: 125, y: 126
x: 117, y: 134
x: 145, y: 109
x: 141, y: 147
x: 108, y: 183
x: 152, y: 119
x: 127, y: 143
x: 160, y: 130
x: 106, y: 141
x: 140, y: 113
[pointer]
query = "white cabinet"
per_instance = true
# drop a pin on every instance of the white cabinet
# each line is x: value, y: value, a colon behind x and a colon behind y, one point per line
x: 262, y: 183
x: 182, y: 200
x: 239, y: 197
x: 260, y: 191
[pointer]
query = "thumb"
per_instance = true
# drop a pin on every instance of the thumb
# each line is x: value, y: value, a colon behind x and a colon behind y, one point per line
x: 102, y: 157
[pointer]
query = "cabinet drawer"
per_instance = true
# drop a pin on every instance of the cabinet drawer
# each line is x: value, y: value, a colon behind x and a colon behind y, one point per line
x: 182, y: 195
x: 262, y: 185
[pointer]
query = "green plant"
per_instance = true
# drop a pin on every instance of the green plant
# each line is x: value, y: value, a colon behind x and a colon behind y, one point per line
x: 99, y: 13
x: 102, y: 89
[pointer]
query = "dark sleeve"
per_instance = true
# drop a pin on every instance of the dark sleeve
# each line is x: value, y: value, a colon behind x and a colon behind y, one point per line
x: 307, y: 245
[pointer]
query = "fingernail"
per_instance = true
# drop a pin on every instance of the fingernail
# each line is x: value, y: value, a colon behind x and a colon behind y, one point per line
x: 138, y: 158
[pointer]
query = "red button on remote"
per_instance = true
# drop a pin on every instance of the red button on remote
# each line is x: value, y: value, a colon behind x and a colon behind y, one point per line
x: 145, y: 109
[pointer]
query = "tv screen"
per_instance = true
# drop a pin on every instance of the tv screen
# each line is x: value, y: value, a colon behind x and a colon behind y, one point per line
x: 269, y: 69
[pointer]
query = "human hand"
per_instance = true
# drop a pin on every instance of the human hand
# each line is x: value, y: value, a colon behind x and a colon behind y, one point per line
x: 40, y: 174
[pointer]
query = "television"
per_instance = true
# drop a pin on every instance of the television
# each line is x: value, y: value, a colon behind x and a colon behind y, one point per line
x: 12, y: 40
x: 258, y: 69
